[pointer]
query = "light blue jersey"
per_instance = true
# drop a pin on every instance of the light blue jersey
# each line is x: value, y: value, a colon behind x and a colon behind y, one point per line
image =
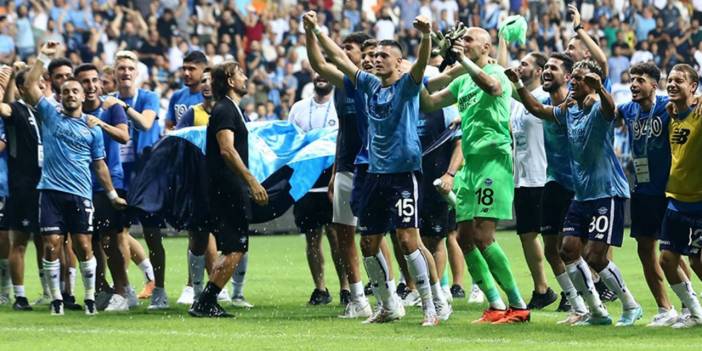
x: 597, y: 173
x: 557, y: 152
x: 113, y: 116
x: 393, y: 112
x: 70, y: 147
x: 4, y: 187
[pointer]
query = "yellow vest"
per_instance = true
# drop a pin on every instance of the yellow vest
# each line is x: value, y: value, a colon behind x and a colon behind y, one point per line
x: 685, y: 181
x: 200, y: 116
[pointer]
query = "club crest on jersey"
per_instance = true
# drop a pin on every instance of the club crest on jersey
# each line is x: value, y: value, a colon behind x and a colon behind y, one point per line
x: 406, y: 194
x: 602, y: 210
x: 332, y: 122
x: 488, y: 182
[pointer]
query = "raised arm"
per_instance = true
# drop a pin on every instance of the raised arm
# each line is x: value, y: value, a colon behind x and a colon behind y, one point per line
x: 607, y: 106
x: 333, y: 51
x: 318, y: 63
x: 31, y: 83
x: 502, y: 54
x: 483, y: 80
x: 595, y: 51
x: 529, y: 101
x: 225, y: 140
x: 423, y: 25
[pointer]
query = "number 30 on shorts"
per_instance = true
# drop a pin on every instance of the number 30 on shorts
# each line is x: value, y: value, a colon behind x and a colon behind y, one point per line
x: 405, y: 207
x: 599, y: 224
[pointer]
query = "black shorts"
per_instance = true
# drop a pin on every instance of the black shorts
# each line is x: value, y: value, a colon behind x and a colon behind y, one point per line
x: 360, y: 173
x: 63, y: 213
x: 4, y: 226
x: 436, y: 219
x: 681, y: 233
x: 390, y: 201
x: 147, y: 220
x: 597, y: 220
x: 107, y: 218
x: 527, y: 206
x: 647, y: 212
x: 555, y: 202
x: 23, y: 210
x: 312, y: 212
x: 229, y: 220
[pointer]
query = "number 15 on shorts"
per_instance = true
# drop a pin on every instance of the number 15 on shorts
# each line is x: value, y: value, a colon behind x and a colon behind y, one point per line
x: 406, y: 209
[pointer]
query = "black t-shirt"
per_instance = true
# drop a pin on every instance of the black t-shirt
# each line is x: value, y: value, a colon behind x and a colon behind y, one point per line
x: 348, y: 142
x: 429, y: 128
x: 225, y: 115
x: 22, y: 131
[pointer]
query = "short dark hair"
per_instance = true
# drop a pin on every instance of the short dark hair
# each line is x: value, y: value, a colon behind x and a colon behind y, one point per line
x: 85, y: 67
x: 20, y: 77
x: 688, y: 70
x: 539, y: 59
x: 356, y: 38
x: 59, y: 62
x: 393, y: 43
x: 567, y: 61
x: 72, y: 79
x: 369, y: 43
x: 590, y: 65
x: 648, y: 68
x: 207, y: 69
x: 220, y: 74
x: 195, y: 56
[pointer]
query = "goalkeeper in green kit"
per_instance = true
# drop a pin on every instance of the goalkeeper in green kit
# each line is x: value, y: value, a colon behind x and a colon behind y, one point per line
x: 485, y: 185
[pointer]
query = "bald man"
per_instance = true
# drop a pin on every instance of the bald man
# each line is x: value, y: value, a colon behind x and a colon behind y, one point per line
x: 485, y: 185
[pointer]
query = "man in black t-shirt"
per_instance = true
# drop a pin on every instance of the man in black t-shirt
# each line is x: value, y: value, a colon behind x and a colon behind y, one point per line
x: 231, y: 184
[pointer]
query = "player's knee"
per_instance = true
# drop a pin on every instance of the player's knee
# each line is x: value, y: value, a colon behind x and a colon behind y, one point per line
x: 368, y: 246
x: 668, y: 261
x: 597, y: 260
x: 568, y: 253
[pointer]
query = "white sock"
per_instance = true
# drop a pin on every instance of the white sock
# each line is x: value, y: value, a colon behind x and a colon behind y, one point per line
x: 46, y: 289
x: 5, y: 281
x: 196, y: 269
x: 19, y: 290
x: 147, y: 269
x: 87, y: 272
x: 438, y: 293
x: 357, y: 294
x: 612, y: 277
x: 239, y: 276
x: 52, y: 273
x: 377, y: 270
x: 71, y: 288
x: 417, y: 266
x: 687, y: 295
x: 580, y: 276
x: 575, y: 300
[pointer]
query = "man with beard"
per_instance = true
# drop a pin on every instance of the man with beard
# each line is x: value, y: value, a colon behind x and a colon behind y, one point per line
x: 647, y: 120
x: 583, y: 47
x: 313, y: 212
x: 194, y: 64
x: 71, y: 146
x: 60, y: 69
x: 682, y: 225
x: 595, y: 218
x: 231, y: 184
x: 109, y: 222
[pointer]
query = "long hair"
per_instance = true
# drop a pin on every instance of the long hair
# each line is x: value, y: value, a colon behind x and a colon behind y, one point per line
x: 220, y: 77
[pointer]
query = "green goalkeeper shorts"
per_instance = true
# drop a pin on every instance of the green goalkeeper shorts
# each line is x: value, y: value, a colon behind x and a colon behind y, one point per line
x: 484, y: 188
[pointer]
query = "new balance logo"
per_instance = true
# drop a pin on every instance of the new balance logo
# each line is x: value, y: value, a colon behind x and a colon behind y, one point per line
x: 406, y: 220
x: 680, y: 136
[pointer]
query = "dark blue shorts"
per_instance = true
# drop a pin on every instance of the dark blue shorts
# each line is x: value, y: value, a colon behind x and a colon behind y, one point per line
x: 4, y: 223
x: 435, y: 218
x: 647, y: 212
x: 23, y: 210
x: 555, y: 201
x: 359, y: 179
x: 390, y: 201
x: 108, y: 220
x: 681, y: 233
x: 596, y: 220
x: 63, y: 213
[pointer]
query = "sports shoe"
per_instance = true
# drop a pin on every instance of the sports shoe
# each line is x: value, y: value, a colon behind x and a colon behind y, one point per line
x: 443, y: 311
x: 447, y: 293
x: 384, y: 315
x: 402, y: 290
x: 573, y: 318
x: 21, y: 304
x: 606, y: 295
x: 187, y: 297
x: 344, y: 297
x: 630, y: 316
x: 540, y: 301
x: 594, y: 320
x: 4, y: 299
x: 688, y: 321
x: 368, y: 290
x: 457, y: 291
x: 69, y: 302
x: 685, y: 312
x: 664, y: 318
x: 210, y: 310
x: 90, y: 309
x: 412, y: 299
x: 223, y: 296
x: 564, y: 305
x: 159, y: 300
x: 357, y: 309
x: 320, y: 297
x: 476, y: 295
x: 117, y: 303
x: 490, y: 315
x: 132, y: 300
x: 430, y: 320
x: 240, y: 302
x: 515, y: 315
x: 43, y: 300
x: 147, y: 290
x: 56, y: 308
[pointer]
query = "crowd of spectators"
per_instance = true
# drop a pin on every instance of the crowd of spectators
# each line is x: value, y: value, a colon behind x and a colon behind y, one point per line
x: 266, y: 36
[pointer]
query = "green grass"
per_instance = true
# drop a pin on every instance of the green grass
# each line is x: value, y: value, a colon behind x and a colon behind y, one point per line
x: 279, y: 285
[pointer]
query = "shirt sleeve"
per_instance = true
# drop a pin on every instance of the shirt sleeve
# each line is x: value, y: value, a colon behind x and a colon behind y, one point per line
x: 47, y: 111
x: 151, y: 102
x: 455, y: 86
x: 366, y: 82
x: 187, y: 120
x: 408, y: 87
x: 222, y: 119
x: 117, y: 115
x: 97, y: 148
x: 559, y: 113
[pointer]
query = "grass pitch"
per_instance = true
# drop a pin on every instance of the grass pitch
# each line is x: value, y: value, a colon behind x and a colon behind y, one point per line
x: 279, y: 284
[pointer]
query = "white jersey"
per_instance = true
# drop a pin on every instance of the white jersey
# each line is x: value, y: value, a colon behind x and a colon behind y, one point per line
x: 308, y: 114
x: 528, y: 144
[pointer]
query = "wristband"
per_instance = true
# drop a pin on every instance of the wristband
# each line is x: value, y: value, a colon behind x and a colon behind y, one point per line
x: 45, y: 60
x: 469, y: 65
x: 126, y: 108
x: 519, y: 84
x: 112, y: 195
x: 316, y: 31
x: 452, y: 174
x: 578, y: 27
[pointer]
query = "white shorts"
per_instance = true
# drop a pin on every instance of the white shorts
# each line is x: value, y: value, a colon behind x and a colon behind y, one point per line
x: 343, y: 184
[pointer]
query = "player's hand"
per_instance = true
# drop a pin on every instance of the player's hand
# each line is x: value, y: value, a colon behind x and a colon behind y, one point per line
x: 590, y: 100
x: 671, y: 109
x: 511, y: 73
x: 5, y: 75
x: 111, y: 100
x: 446, y: 183
x: 575, y: 14
x: 119, y: 203
x: 593, y: 81
x: 93, y: 121
x: 330, y: 188
x: 697, y: 104
x: 18, y: 66
x: 456, y: 123
x: 458, y: 49
x: 258, y: 193
x: 50, y: 48
x: 309, y: 20
x: 422, y: 24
